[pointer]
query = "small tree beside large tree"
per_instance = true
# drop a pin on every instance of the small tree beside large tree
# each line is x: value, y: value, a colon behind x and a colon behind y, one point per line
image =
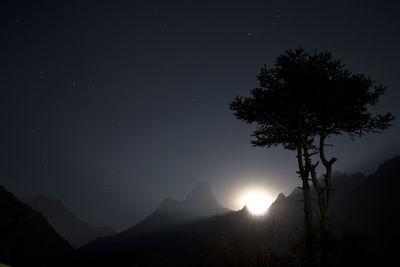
x: 302, y: 101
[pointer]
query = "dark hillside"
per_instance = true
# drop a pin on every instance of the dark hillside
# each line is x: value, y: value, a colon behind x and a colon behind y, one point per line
x: 27, y: 239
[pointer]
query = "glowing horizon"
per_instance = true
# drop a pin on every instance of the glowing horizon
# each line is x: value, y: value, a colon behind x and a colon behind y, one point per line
x: 256, y: 200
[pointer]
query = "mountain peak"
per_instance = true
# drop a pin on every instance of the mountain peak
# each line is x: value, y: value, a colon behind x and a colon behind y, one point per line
x: 244, y: 209
x: 201, y: 191
x: 388, y: 165
x: 34, y: 241
x: 280, y: 197
x: 200, y: 203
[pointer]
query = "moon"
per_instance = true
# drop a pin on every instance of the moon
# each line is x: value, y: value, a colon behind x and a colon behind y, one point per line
x: 257, y: 201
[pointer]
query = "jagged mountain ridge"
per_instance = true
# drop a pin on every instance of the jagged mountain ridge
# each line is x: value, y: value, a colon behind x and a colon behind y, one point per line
x: 364, y: 205
x: 67, y: 224
x: 199, y: 204
x: 27, y: 239
x: 221, y: 240
x: 374, y: 202
x: 236, y: 232
x: 289, y: 210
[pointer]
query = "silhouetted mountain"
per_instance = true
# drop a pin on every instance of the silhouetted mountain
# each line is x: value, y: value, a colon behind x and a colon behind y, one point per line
x: 73, y: 229
x: 288, y: 211
x: 200, y: 203
x: 232, y: 239
x: 365, y: 212
x: 365, y: 217
x: 171, y: 214
x: 374, y: 203
x: 27, y: 239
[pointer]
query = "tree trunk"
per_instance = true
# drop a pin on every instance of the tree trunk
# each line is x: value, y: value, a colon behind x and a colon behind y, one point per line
x: 309, y: 232
x: 311, y: 168
x: 325, y: 239
x: 308, y: 226
x: 324, y: 194
x: 326, y: 207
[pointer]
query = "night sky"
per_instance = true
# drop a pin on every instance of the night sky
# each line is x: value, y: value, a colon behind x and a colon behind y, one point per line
x: 111, y: 106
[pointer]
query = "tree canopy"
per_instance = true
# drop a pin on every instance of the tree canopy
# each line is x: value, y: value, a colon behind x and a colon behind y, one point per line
x: 305, y: 97
x: 314, y: 92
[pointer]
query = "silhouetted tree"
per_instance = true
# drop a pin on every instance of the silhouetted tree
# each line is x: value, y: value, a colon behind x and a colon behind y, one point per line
x: 280, y: 121
x: 303, y: 100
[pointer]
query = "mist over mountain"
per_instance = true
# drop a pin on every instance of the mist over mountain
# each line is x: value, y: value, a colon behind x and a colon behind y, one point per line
x: 198, y: 231
x: 374, y: 204
x: 199, y: 204
x: 68, y: 225
x: 364, y: 216
x: 364, y: 210
x: 288, y: 211
x: 358, y: 200
x: 27, y: 239
x: 114, y: 111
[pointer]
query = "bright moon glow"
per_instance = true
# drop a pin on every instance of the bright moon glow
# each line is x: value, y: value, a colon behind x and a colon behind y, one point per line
x: 257, y: 201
